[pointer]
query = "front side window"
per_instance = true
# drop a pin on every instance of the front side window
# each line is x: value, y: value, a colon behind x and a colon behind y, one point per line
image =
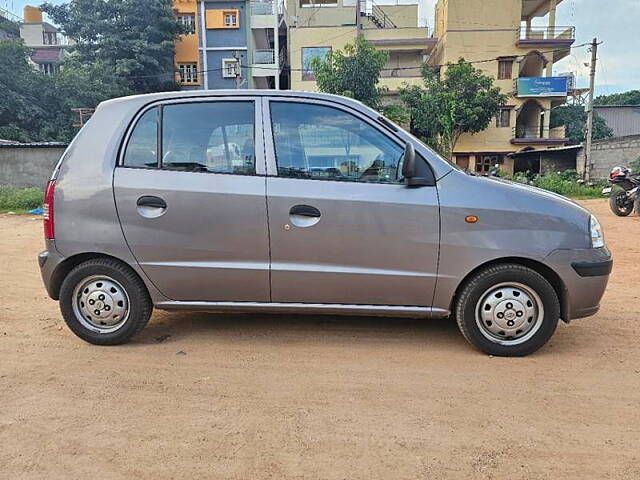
x: 319, y: 142
x: 215, y: 137
x: 308, y: 54
x: 142, y: 147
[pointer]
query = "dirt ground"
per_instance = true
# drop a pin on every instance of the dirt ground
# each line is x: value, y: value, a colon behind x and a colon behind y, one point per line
x: 264, y: 396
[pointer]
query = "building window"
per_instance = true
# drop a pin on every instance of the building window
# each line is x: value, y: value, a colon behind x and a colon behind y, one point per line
x: 505, y: 67
x: 188, y: 21
x: 308, y: 54
x: 503, y: 118
x: 230, y: 68
x: 230, y: 19
x: 484, y: 163
x: 318, y: 3
x: 462, y: 161
x: 49, y: 38
x: 188, y: 73
x: 48, y: 68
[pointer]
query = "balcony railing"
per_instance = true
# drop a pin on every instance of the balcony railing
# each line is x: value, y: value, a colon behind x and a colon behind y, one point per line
x: 262, y: 8
x: 264, y: 57
x: 534, y: 34
x: 538, y: 132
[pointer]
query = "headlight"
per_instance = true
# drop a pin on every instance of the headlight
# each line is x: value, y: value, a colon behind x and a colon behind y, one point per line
x: 597, y: 238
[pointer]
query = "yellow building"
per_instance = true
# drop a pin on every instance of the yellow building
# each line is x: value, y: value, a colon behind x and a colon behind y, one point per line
x: 523, y: 38
x: 318, y: 26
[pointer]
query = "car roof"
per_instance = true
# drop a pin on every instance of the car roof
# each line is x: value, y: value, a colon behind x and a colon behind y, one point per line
x: 154, y: 97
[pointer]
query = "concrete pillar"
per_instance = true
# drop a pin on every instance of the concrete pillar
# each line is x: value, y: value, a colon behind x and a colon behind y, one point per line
x: 552, y: 19
x: 528, y: 21
x: 546, y: 123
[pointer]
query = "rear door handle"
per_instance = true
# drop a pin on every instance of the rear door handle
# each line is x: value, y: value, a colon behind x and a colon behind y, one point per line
x: 151, y: 201
x: 304, y: 211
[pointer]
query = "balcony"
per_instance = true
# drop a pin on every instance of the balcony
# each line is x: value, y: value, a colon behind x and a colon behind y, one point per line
x: 264, y: 63
x: 265, y: 56
x: 262, y: 8
x: 523, y: 134
x: 402, y: 39
x: 263, y: 14
x: 530, y: 87
x: 543, y: 37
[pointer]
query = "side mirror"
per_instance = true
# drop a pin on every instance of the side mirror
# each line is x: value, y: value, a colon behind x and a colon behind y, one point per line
x: 410, y: 169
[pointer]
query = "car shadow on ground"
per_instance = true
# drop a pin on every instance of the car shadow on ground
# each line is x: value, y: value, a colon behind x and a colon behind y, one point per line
x: 310, y: 329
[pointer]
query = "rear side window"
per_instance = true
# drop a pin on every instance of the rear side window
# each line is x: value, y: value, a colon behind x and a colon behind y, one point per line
x: 143, y: 144
x: 215, y: 137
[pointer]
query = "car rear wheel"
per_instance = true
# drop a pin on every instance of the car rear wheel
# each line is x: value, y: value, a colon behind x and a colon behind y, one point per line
x: 507, y: 310
x: 104, y: 302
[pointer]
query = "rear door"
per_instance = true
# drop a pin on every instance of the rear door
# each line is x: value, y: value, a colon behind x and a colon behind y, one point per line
x: 190, y: 194
x: 344, y: 227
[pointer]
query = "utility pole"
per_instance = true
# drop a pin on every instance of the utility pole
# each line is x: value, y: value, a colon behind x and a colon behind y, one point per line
x: 589, y: 129
x: 236, y: 55
x: 358, y: 20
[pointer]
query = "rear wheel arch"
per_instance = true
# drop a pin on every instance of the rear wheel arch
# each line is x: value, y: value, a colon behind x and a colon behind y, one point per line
x: 70, y: 263
x: 539, y: 267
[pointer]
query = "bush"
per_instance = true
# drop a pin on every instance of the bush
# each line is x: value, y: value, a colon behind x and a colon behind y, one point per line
x: 564, y: 183
x: 20, y: 199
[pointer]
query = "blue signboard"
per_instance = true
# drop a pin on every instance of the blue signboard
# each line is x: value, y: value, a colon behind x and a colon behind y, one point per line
x: 542, y: 86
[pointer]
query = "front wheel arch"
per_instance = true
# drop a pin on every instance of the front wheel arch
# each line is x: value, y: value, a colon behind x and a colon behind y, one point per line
x: 539, y: 267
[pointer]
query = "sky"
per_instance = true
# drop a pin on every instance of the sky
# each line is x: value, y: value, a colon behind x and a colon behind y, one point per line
x: 615, y: 23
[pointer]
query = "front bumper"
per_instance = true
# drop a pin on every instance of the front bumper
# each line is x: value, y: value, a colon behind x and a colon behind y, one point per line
x: 584, y: 274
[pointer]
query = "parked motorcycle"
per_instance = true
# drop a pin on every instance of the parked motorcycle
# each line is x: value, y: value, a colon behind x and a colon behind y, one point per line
x: 622, y: 202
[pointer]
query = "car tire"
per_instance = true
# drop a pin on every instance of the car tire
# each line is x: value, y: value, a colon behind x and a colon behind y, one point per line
x: 104, y: 302
x: 507, y: 310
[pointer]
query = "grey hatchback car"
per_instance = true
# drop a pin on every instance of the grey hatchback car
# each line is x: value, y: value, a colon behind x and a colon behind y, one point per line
x: 292, y: 202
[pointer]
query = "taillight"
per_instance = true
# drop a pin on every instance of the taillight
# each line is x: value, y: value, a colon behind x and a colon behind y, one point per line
x: 47, y: 210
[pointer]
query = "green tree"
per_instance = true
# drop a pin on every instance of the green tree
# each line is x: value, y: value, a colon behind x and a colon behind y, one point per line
x: 574, y: 118
x: 462, y: 100
x: 126, y: 38
x: 22, y: 115
x: 37, y: 107
x: 632, y: 97
x: 354, y: 72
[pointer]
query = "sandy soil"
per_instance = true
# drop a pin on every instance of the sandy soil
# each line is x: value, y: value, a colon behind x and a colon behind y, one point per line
x: 245, y: 397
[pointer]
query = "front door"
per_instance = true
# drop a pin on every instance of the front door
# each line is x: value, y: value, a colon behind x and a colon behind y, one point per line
x: 190, y: 193
x: 344, y: 227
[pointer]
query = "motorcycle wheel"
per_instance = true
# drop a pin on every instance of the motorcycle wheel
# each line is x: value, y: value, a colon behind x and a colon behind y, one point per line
x: 619, y: 204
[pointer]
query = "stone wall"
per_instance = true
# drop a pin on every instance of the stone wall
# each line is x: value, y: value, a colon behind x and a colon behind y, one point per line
x: 611, y: 152
x: 28, y: 165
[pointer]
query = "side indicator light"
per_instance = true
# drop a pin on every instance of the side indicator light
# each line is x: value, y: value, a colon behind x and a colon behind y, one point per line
x: 471, y: 219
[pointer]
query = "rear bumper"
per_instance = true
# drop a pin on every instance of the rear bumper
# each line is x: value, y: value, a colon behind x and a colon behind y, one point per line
x: 48, y: 262
x: 584, y: 273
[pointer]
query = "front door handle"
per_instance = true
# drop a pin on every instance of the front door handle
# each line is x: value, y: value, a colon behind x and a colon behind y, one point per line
x: 304, y: 211
x: 151, y: 201
x: 304, y: 216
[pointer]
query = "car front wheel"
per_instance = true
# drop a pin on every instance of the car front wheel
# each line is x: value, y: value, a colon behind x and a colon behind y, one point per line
x: 507, y: 310
x: 104, y: 302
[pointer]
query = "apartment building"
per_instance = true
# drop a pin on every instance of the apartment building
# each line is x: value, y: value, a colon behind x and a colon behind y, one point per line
x: 522, y: 38
x: 46, y: 42
x: 319, y: 26
x: 228, y: 44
